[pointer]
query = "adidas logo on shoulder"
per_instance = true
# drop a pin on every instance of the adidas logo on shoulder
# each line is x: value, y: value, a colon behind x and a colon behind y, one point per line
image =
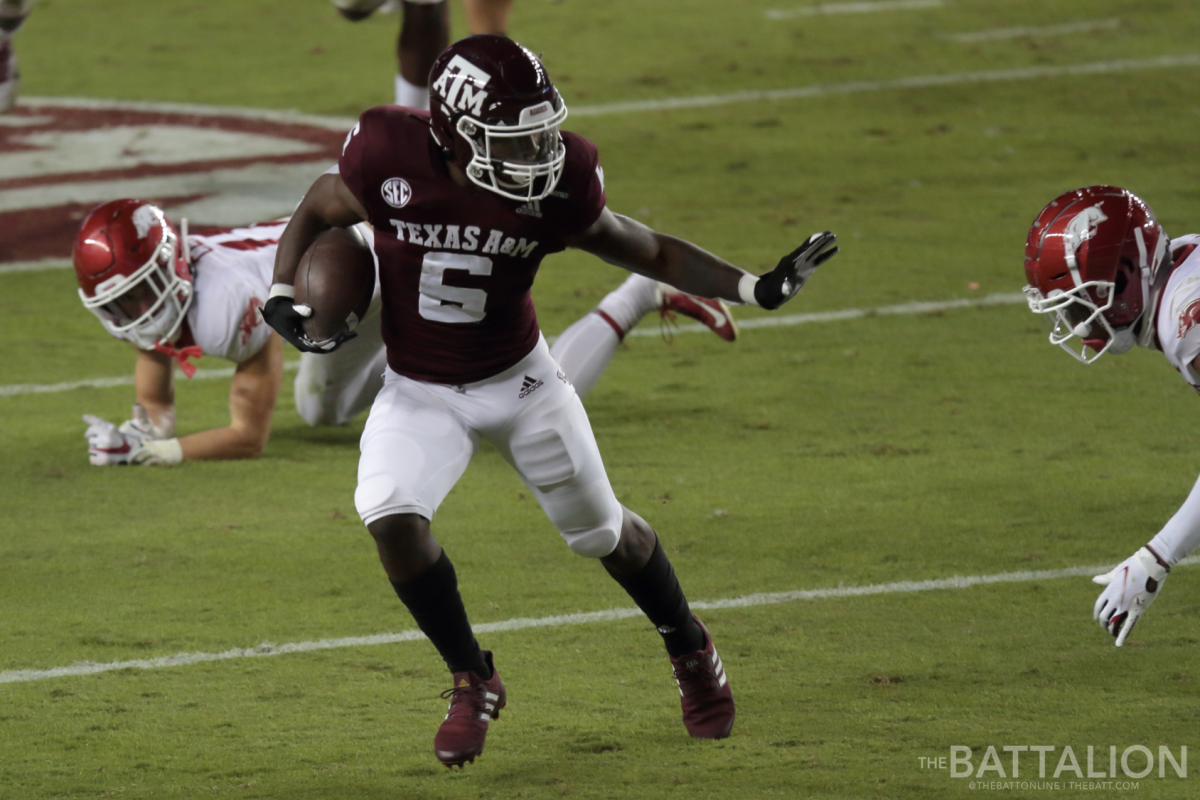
x: 529, y: 386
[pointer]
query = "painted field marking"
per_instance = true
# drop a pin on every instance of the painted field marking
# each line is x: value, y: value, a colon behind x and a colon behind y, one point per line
x: 1048, y: 30
x: 850, y: 8
x: 957, y: 582
x: 915, y: 82
x: 787, y: 320
x: 16, y: 389
x: 35, y: 266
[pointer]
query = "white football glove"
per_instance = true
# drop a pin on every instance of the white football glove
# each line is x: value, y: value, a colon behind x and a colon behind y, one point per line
x: 108, y: 445
x: 1129, y: 591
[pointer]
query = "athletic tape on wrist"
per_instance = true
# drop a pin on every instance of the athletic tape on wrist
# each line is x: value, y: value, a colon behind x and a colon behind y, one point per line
x: 746, y: 289
x: 168, y: 451
x: 281, y: 290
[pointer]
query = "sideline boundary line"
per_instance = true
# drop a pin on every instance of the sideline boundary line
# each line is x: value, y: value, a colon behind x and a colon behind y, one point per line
x: 16, y: 389
x: 525, y: 623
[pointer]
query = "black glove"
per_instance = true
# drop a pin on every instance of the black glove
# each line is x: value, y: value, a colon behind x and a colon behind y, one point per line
x: 282, y: 314
x: 776, y: 287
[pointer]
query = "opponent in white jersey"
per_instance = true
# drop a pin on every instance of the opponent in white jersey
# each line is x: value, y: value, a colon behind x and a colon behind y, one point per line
x: 179, y: 297
x: 1099, y: 264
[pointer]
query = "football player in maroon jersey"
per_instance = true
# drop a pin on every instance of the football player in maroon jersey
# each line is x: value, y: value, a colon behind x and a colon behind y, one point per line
x: 466, y: 201
x: 1106, y: 274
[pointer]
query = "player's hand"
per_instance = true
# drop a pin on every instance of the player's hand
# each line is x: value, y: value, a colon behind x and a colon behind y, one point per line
x: 140, y: 424
x: 287, y: 318
x: 1129, y: 591
x: 330, y: 344
x: 781, y: 284
x: 108, y: 445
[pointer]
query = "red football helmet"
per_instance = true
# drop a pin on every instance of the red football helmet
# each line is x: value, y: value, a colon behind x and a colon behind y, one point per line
x: 493, y: 106
x: 1091, y: 260
x: 133, y: 272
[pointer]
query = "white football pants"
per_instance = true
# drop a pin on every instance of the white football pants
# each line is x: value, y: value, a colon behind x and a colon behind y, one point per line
x: 420, y: 437
x: 334, y: 388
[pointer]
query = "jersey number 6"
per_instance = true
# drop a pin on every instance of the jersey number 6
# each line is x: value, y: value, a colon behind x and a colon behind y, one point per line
x: 455, y: 304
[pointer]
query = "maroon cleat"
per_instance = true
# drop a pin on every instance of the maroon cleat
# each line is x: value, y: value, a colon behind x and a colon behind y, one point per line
x: 474, y: 702
x: 713, y: 313
x: 704, y: 691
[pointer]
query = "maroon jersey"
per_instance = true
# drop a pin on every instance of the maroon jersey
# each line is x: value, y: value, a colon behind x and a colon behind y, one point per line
x: 456, y: 263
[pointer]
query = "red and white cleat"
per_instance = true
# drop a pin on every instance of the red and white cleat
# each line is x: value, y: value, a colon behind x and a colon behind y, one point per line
x: 713, y: 313
x: 474, y: 702
x: 704, y: 691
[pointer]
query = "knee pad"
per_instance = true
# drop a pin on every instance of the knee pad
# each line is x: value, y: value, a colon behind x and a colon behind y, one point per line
x: 378, y: 496
x: 596, y: 543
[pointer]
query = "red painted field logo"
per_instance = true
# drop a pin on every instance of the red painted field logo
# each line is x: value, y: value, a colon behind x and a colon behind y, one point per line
x: 217, y: 167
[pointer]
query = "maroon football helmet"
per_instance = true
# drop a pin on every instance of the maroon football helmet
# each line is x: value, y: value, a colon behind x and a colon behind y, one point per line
x: 493, y: 106
x: 133, y: 272
x: 1091, y: 260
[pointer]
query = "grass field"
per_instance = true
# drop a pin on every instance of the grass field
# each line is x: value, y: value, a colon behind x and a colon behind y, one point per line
x: 840, y: 454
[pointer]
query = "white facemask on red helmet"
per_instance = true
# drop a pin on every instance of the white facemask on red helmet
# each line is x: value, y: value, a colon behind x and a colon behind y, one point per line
x: 133, y: 272
x: 493, y: 106
x: 1091, y: 260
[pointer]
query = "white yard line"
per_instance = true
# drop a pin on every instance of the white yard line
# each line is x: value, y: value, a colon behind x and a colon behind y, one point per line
x: 915, y: 82
x: 285, y: 116
x: 668, y: 103
x: 850, y: 8
x: 787, y: 320
x: 35, y: 266
x: 958, y: 582
x: 16, y: 389
x: 1048, y: 30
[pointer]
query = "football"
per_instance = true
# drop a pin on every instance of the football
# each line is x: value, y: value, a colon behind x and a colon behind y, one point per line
x: 336, y: 279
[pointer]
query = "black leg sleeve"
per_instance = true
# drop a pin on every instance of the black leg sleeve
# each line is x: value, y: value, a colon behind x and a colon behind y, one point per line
x: 656, y: 591
x: 433, y: 599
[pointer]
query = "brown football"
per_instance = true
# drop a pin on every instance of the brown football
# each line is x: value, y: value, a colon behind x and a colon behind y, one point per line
x: 336, y: 278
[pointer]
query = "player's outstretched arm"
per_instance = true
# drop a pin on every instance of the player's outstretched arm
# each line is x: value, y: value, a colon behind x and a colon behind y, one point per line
x: 252, y: 395
x: 1136, y: 582
x: 328, y: 204
x: 628, y: 243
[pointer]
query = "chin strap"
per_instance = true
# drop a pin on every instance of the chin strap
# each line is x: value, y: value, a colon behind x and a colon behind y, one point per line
x: 187, y: 248
x: 181, y: 354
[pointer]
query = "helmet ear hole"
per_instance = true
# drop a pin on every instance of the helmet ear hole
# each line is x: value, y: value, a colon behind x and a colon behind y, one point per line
x: 1121, y: 279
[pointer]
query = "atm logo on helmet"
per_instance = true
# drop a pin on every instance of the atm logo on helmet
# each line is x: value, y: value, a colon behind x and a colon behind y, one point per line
x: 461, y: 86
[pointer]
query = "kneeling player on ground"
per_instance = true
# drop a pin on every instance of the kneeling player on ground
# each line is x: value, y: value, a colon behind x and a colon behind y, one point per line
x: 466, y: 203
x: 176, y: 297
x: 1099, y: 264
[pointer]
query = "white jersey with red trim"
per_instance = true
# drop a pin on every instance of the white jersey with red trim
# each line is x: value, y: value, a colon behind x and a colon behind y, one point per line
x: 1179, y: 309
x: 233, y: 278
x: 233, y: 272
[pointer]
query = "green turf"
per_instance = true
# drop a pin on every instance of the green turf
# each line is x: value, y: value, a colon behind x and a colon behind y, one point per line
x: 849, y: 453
